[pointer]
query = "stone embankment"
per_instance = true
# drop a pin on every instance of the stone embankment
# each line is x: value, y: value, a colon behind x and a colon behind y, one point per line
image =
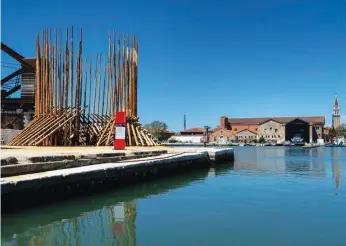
x: 59, y: 173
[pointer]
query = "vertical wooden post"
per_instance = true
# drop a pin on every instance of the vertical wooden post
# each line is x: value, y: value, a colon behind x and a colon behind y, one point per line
x: 71, y: 80
x: 66, y: 85
x: 78, y: 89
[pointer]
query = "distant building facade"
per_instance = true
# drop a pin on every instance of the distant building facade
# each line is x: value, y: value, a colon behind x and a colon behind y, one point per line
x: 192, y: 135
x: 198, y: 135
x: 276, y: 129
x: 272, y: 131
x: 221, y: 136
x: 246, y: 136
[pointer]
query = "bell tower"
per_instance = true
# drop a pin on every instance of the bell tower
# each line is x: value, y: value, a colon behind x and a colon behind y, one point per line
x: 336, y: 114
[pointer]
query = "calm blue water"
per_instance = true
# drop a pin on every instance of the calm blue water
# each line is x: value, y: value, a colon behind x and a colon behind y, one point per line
x: 269, y: 196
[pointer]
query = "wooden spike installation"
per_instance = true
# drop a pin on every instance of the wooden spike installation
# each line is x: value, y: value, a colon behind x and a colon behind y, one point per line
x: 76, y: 97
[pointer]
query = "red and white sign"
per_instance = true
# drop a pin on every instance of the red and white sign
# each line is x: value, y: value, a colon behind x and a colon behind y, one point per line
x: 120, y: 131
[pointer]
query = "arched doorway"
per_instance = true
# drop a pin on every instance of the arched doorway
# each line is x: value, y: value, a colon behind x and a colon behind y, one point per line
x: 299, y: 128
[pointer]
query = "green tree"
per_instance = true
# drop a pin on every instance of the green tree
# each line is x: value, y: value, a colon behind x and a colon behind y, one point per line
x: 261, y: 140
x: 341, y: 130
x: 158, y: 129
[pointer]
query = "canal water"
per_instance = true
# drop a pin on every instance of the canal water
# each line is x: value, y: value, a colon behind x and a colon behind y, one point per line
x: 268, y: 196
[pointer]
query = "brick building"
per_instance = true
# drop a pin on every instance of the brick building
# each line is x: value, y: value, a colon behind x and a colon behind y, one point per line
x: 245, y: 136
x: 276, y: 129
x: 221, y: 136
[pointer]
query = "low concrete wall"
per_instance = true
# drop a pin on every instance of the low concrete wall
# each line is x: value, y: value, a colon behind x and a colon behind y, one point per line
x: 32, y: 189
x: 82, y: 177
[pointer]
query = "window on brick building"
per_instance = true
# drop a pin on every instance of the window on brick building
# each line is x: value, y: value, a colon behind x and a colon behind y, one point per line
x: 235, y: 129
x: 214, y: 139
x: 278, y: 136
x: 270, y: 128
x: 276, y: 130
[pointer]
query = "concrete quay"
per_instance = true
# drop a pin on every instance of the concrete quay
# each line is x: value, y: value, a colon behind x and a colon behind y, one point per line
x: 29, y: 160
x: 84, y: 174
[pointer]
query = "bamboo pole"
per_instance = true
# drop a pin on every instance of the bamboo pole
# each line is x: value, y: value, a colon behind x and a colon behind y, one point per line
x: 66, y: 85
x: 135, y: 78
x: 139, y: 135
x: 55, y: 73
x: 37, y: 75
x: 99, y: 85
x: 78, y: 89
x: 62, y: 89
x: 104, y: 86
x: 103, y: 133
x: 71, y: 79
x: 115, y: 75
x: 57, y: 126
x: 129, y: 133
x: 95, y: 88
x: 134, y: 134
x: 111, y: 132
x: 60, y: 77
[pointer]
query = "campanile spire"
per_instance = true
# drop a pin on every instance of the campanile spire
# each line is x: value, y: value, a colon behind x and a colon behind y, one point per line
x: 336, y: 113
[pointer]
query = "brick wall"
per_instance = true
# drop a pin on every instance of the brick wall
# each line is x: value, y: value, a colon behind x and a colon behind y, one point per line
x: 224, y: 122
x: 221, y: 133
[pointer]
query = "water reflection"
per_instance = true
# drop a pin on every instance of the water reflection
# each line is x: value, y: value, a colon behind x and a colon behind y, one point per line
x: 234, y: 202
x: 114, y: 224
x: 107, y: 219
x: 335, y: 153
x: 282, y: 160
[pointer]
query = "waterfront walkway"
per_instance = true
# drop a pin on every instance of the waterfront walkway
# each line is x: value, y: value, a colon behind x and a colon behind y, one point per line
x: 34, y: 174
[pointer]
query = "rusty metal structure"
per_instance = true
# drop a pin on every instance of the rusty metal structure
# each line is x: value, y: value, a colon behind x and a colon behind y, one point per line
x: 16, y: 111
x: 76, y: 97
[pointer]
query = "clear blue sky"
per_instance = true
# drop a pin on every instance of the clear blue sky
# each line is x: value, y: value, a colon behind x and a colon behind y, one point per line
x: 245, y: 58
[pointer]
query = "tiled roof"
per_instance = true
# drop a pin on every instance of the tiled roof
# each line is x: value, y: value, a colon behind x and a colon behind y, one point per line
x: 196, y: 129
x: 215, y: 129
x: 218, y: 129
x: 282, y: 120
